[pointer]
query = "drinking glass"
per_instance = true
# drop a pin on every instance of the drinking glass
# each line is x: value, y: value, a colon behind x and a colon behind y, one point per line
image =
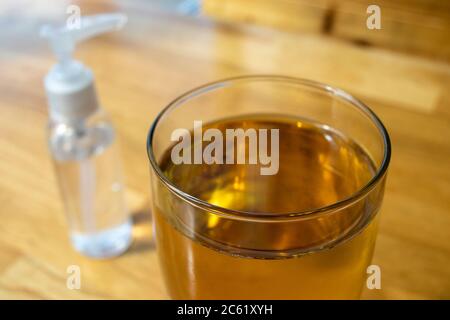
x: 307, y: 231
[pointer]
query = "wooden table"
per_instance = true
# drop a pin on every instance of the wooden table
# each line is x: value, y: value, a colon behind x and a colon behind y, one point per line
x: 155, y: 58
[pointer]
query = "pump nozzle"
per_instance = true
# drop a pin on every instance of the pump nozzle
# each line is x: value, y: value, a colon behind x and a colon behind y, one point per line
x: 69, y: 84
x: 63, y: 39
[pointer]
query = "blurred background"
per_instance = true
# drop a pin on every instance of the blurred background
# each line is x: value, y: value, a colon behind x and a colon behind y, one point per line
x: 401, y: 71
x: 417, y: 27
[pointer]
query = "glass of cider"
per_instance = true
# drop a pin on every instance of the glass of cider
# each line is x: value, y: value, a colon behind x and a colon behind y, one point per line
x: 230, y: 224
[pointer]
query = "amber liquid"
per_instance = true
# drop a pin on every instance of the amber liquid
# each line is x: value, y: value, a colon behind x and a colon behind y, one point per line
x: 228, y: 259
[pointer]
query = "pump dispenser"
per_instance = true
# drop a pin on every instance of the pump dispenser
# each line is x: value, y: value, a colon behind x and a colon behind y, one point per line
x: 81, y: 140
x: 69, y: 84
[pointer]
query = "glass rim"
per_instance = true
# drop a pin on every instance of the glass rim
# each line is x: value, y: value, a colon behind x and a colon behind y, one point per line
x: 248, y: 215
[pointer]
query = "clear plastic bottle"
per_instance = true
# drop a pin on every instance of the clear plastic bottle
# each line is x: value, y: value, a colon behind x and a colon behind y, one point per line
x: 89, y: 174
x: 83, y: 148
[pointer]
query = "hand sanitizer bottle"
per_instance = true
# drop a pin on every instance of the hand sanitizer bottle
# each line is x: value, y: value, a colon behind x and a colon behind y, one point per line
x: 81, y: 140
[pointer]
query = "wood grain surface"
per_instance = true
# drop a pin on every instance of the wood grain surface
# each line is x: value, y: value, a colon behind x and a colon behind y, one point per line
x: 155, y: 58
x: 413, y: 26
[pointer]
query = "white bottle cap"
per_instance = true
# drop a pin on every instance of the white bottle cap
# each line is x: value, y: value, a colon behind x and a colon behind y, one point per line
x: 70, y: 85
